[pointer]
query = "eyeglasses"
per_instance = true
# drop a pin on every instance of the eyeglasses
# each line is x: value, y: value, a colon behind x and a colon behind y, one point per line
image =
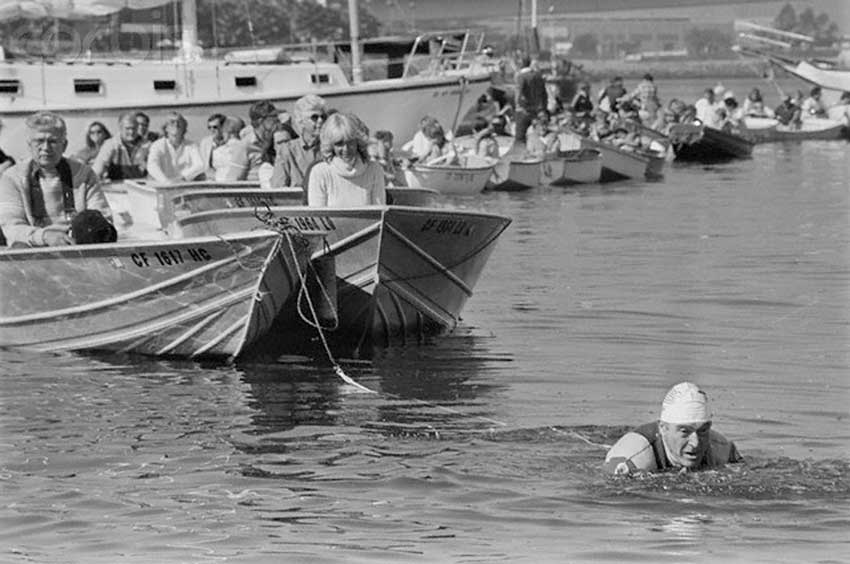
x: 96, y: 132
x: 213, y: 126
x: 49, y: 141
x: 316, y: 117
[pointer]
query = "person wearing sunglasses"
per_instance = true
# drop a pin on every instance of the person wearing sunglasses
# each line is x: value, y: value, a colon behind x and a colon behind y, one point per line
x: 95, y: 136
x: 297, y: 156
x: 215, y: 138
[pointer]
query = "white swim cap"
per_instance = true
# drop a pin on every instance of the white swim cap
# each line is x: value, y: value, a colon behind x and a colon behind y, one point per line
x: 685, y: 403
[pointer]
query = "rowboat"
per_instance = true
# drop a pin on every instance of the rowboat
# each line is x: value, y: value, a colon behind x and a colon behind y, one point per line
x: 705, y: 144
x: 201, y: 296
x: 156, y: 206
x: 401, y: 272
x: 619, y: 164
x: 767, y: 130
x: 522, y: 173
x: 583, y: 166
x: 442, y: 75
x: 468, y: 176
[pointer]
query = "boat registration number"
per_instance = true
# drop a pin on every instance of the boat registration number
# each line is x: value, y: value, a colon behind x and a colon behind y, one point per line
x: 448, y: 226
x: 312, y: 223
x: 170, y: 257
x: 466, y: 177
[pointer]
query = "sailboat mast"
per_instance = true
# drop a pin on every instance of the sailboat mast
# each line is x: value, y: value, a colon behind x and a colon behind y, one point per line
x: 189, y: 27
x: 354, y: 31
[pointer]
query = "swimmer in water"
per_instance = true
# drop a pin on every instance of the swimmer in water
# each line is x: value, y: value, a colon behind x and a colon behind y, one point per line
x: 682, y: 438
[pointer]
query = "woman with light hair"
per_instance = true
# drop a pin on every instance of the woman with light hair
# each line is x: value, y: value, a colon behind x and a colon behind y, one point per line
x: 345, y: 177
x: 173, y: 158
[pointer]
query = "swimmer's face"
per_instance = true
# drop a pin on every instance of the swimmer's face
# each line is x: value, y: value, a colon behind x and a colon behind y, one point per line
x: 686, y: 443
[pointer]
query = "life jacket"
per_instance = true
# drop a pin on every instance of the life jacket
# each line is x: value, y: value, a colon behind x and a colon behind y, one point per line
x: 66, y: 180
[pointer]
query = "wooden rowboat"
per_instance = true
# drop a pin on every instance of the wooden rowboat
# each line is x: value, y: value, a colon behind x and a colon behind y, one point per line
x: 700, y: 143
x: 468, y: 177
x: 619, y: 164
x: 769, y: 130
x: 401, y: 272
x: 204, y: 296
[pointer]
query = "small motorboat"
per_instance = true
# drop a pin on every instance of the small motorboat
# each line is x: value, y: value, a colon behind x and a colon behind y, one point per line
x: 770, y: 130
x: 469, y: 175
x: 214, y: 295
x: 704, y: 144
x: 582, y: 166
x: 400, y: 272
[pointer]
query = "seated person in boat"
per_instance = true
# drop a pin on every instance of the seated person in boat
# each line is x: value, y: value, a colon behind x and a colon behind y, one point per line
x: 174, y: 158
x: 208, y: 143
x: 813, y: 107
x: 40, y: 196
x: 486, y: 144
x: 124, y: 156
x: 253, y: 158
x: 754, y: 97
x: 441, y: 151
x: 5, y: 160
x: 345, y: 177
x: 624, y: 139
x: 581, y: 105
x: 706, y: 107
x: 609, y: 97
x: 223, y: 155
x: 732, y: 121
x: 295, y: 157
x: 420, y: 146
x: 381, y: 151
x: 143, y: 122
x: 682, y: 439
x: 758, y: 110
x: 539, y: 139
x: 787, y: 113
x: 96, y: 135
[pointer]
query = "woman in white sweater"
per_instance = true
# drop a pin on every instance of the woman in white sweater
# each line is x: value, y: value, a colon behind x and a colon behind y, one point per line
x: 345, y: 178
x: 173, y: 158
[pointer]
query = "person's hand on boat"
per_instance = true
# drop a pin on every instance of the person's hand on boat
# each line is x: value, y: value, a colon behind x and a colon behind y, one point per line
x: 55, y: 236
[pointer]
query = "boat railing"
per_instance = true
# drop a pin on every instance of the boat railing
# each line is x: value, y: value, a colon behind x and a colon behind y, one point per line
x: 452, y: 51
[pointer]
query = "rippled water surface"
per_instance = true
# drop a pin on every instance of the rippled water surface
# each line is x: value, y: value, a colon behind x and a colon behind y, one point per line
x: 485, y: 445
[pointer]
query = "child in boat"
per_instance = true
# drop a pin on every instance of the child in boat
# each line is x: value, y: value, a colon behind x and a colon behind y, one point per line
x: 440, y: 151
x: 540, y: 141
x: 485, y: 138
x: 381, y: 151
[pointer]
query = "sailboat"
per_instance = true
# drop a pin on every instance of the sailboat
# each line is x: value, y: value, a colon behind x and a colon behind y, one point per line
x: 86, y: 89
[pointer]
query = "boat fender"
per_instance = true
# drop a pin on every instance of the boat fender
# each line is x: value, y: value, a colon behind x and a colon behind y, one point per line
x: 322, y: 289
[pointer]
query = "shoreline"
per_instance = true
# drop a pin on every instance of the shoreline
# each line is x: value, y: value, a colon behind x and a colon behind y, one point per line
x: 599, y: 69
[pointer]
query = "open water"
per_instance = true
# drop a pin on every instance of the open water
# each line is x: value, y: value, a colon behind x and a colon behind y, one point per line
x: 485, y: 445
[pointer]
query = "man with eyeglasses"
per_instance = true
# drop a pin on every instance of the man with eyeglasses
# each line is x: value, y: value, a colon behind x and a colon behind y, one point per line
x: 295, y: 157
x: 40, y: 196
x: 682, y: 439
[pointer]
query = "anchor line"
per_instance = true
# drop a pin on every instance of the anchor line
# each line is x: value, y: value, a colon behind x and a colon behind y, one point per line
x: 270, y: 221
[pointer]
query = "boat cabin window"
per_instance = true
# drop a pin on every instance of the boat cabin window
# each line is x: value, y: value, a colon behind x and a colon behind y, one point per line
x: 245, y: 81
x: 320, y: 78
x: 88, y: 86
x: 164, y: 85
x: 10, y: 87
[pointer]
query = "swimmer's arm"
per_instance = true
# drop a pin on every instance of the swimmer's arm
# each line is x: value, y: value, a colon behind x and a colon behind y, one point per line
x: 630, y: 455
